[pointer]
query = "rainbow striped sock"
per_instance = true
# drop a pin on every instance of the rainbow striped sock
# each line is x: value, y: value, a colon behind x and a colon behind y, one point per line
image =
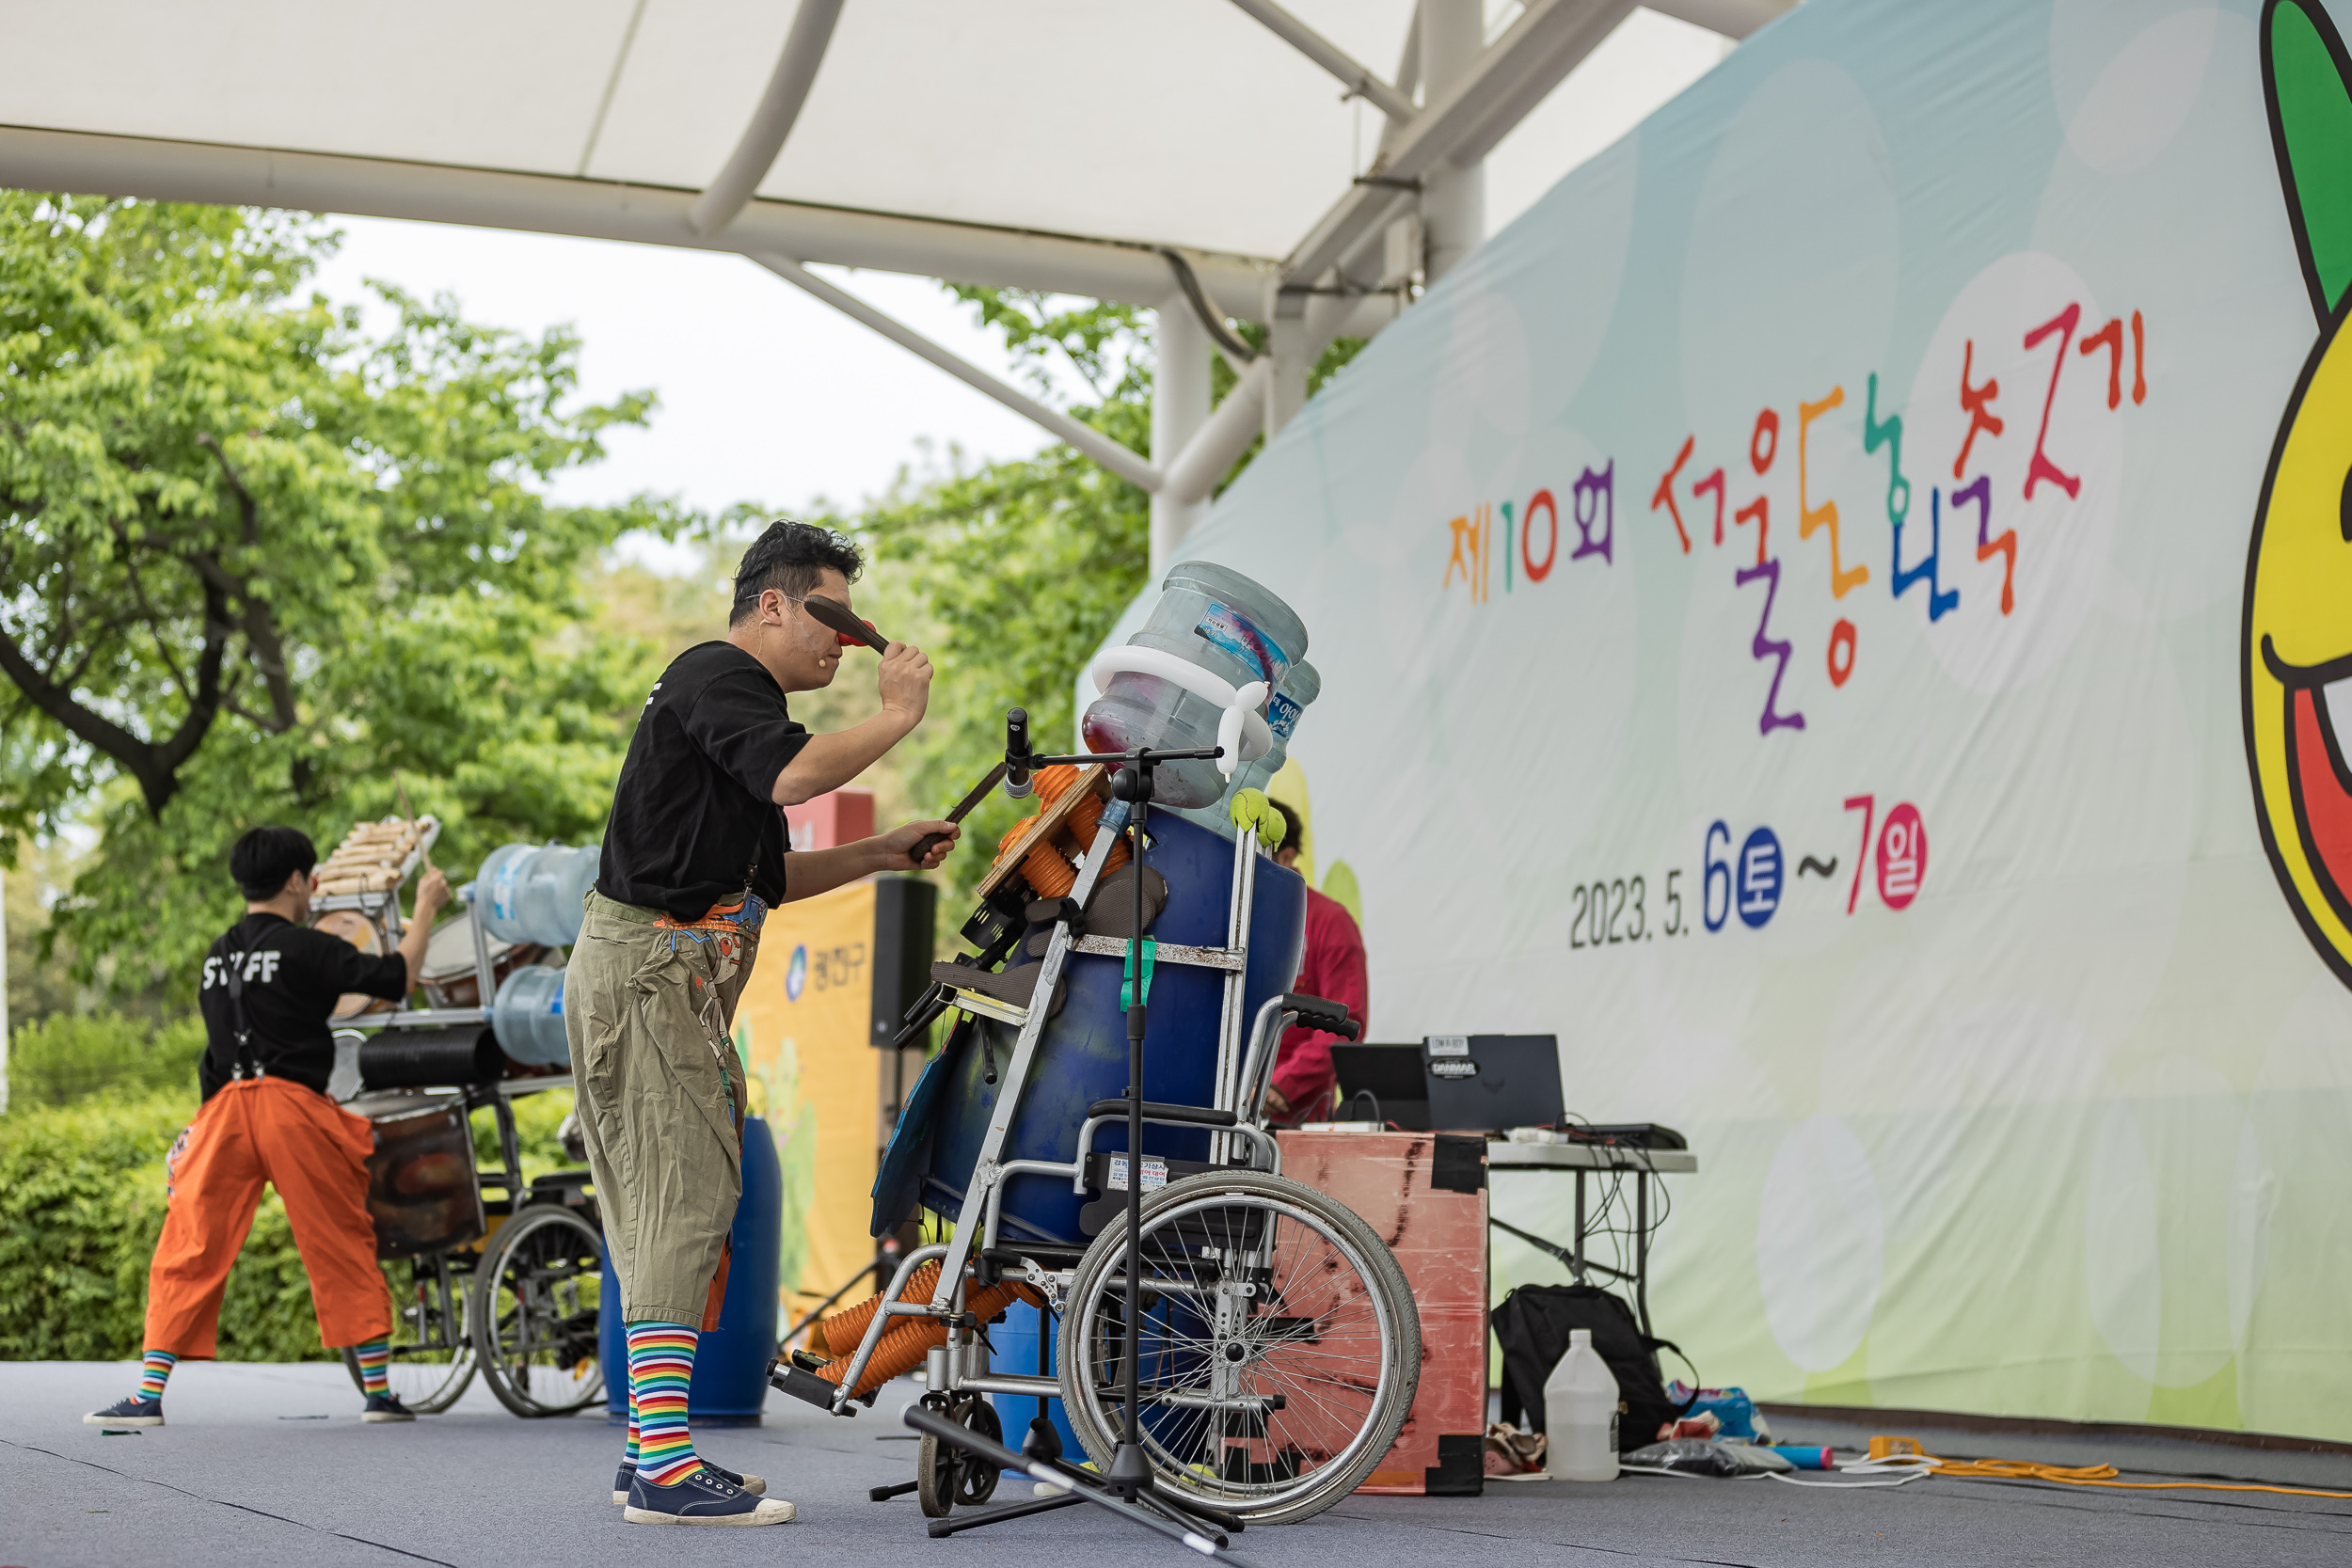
x: 372, y: 1357
x: 629, y: 1452
x: 661, y: 1365
x: 155, y: 1373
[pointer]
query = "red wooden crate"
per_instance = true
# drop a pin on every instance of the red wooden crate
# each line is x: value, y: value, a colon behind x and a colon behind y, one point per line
x: 1425, y: 1195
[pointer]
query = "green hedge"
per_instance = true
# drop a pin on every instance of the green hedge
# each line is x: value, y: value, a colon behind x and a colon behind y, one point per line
x: 68, y: 1057
x: 81, y: 1204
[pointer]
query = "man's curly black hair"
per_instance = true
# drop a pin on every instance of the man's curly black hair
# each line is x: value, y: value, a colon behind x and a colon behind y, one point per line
x: 793, y: 558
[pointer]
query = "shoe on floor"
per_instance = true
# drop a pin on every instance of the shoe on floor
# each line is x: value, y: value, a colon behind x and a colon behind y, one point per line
x: 701, y: 1498
x: 133, y: 1411
x: 386, y: 1407
x: 752, y: 1484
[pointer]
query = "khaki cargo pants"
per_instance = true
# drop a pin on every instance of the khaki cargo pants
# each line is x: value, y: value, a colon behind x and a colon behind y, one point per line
x: 649, y: 1007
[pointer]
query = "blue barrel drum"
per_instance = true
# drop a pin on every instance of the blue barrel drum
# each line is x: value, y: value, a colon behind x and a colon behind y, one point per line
x: 1082, y: 1056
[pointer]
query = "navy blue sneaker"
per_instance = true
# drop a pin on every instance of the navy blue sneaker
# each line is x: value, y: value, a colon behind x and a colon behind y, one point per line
x: 386, y: 1407
x: 133, y: 1411
x: 752, y: 1484
x: 702, y: 1499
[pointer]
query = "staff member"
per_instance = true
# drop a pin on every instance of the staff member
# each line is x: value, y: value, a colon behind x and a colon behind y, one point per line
x: 693, y: 857
x: 1332, y: 966
x: 270, y: 983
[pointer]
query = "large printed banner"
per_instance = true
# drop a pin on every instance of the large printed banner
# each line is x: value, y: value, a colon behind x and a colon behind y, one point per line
x: 1843, y: 613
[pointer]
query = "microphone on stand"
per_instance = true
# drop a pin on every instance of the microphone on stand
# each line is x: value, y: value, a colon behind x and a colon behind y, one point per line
x: 1016, y: 754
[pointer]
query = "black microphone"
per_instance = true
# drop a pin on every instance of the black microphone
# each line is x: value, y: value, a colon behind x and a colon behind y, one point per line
x: 1016, y: 754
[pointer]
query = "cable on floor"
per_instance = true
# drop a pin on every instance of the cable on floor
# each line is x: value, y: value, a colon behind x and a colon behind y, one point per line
x: 1907, y: 1453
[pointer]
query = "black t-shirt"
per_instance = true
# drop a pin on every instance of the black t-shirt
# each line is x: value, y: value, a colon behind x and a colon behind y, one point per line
x: 292, y: 975
x: 696, y: 807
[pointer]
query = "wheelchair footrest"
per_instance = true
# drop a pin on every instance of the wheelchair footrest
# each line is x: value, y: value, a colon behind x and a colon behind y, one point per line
x: 787, y: 1378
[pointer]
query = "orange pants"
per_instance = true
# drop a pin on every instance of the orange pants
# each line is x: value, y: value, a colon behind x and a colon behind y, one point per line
x: 315, y: 1154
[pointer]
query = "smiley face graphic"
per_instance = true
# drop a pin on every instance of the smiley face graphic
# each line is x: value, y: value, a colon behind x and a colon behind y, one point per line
x: 2295, y: 658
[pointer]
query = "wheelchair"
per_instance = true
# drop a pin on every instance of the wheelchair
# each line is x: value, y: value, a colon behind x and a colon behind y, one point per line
x: 1276, y: 1346
x: 505, y: 1287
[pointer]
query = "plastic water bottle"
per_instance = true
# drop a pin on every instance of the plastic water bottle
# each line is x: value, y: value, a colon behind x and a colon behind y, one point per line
x: 1228, y: 626
x: 1580, y: 1414
x: 532, y: 892
x: 528, y: 1016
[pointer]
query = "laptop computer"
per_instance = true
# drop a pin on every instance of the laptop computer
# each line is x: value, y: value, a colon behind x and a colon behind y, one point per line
x: 1492, y: 1083
x: 1391, y: 1074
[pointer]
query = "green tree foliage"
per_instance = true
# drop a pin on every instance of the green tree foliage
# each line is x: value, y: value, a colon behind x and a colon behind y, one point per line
x: 260, y: 566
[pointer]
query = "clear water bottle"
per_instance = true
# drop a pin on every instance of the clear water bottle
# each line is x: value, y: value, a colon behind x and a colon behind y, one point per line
x: 528, y: 1016
x: 532, y: 892
x: 1580, y: 1414
x: 1226, y: 624
x: 1298, y: 688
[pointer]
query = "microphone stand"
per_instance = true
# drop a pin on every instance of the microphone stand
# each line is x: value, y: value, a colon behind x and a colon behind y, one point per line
x: 1128, y: 1477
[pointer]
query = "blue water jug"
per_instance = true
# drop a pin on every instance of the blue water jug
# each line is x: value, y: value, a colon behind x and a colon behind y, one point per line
x: 730, y: 1384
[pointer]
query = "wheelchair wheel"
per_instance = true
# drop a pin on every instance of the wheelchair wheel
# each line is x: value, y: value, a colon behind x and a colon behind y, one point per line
x: 535, y: 1312
x: 948, y: 1478
x: 1278, y: 1351
x: 433, y: 1349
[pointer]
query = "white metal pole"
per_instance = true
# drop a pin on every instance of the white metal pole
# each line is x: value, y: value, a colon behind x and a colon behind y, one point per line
x: 1180, y: 406
x: 1452, y: 195
x: 779, y: 106
x: 1193, y: 472
x: 1092, y: 442
x: 1286, y: 348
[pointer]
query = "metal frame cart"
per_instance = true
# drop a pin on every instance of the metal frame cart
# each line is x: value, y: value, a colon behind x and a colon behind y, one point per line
x: 517, y: 1301
x: 1276, y: 1347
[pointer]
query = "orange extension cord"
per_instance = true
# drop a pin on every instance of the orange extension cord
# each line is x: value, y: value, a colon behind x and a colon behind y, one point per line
x: 1899, y: 1448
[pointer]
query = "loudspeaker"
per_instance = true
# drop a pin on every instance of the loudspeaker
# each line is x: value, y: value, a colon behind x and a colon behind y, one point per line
x: 904, y: 909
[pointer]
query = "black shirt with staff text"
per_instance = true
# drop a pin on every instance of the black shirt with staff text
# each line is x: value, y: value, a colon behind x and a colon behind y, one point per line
x: 292, y: 975
x: 694, y: 815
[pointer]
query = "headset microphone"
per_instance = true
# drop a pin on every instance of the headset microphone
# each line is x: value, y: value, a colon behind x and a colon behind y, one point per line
x: 1016, y: 754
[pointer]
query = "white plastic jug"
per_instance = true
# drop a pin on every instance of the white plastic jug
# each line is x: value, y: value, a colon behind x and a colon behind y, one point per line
x: 1580, y: 1414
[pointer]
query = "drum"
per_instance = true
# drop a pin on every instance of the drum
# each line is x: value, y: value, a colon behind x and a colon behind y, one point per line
x: 421, y: 1191
x: 358, y: 930
x: 448, y: 971
x: 1082, y: 1056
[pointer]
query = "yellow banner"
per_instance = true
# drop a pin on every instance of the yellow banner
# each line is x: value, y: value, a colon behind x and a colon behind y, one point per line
x: 801, y: 1026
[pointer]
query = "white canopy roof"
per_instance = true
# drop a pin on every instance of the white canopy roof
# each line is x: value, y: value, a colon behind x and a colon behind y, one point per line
x: 1049, y: 143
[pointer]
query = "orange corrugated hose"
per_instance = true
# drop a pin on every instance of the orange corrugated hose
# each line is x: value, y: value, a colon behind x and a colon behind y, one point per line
x: 901, y: 1349
x: 2066, y: 1475
x: 1044, y: 865
x: 1084, y: 817
x: 840, y: 1333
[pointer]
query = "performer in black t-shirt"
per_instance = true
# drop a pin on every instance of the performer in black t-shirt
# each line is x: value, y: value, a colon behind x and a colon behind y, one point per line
x: 268, y: 988
x: 695, y: 854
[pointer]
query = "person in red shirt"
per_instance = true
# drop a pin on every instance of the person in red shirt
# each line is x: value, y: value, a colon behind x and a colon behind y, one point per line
x: 1333, y: 968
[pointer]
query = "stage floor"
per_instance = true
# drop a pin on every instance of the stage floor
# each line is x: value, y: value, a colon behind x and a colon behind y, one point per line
x: 246, y: 1474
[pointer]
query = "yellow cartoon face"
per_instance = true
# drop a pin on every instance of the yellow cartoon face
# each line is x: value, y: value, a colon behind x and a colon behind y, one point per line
x: 2296, y: 657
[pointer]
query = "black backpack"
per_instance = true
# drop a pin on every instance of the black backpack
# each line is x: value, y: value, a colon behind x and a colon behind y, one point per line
x: 1533, y: 1325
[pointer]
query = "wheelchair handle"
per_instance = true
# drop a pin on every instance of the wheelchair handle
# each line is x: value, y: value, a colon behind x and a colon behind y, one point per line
x: 1319, y: 1012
